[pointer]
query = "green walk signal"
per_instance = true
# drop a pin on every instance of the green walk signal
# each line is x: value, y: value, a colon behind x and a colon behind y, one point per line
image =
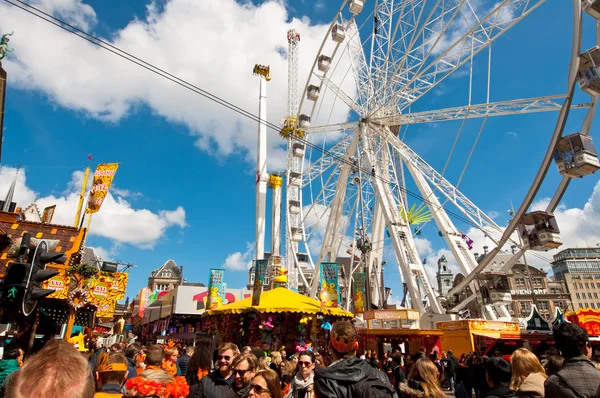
x: 12, y: 293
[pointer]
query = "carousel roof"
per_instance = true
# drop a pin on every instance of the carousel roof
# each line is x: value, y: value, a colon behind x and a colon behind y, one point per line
x: 280, y: 300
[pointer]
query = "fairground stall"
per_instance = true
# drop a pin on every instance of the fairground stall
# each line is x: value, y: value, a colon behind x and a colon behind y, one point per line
x: 282, y: 318
x: 589, y: 319
x: 477, y: 335
x: 386, y: 330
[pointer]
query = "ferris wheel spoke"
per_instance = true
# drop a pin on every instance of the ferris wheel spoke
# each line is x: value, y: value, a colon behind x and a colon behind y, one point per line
x: 415, y: 81
x: 334, y: 222
x: 341, y: 94
x: 501, y: 108
x: 359, y: 65
x: 331, y: 127
x: 329, y: 158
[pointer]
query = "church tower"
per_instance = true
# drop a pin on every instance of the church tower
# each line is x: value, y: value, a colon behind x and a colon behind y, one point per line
x: 443, y: 276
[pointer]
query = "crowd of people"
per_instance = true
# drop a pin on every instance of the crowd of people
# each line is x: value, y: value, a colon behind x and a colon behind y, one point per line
x: 60, y: 370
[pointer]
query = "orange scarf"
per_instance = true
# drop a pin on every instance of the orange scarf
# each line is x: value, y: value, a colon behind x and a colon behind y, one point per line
x: 201, y: 374
x: 169, y: 367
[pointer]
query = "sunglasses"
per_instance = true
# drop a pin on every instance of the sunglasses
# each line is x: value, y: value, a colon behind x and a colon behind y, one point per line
x: 258, y: 389
x: 239, y: 372
x: 304, y: 363
x: 225, y: 357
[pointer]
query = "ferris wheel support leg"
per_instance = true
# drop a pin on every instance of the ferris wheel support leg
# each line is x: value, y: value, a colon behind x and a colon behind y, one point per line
x: 375, y: 263
x: 276, y: 223
x: 328, y: 248
x: 409, y: 263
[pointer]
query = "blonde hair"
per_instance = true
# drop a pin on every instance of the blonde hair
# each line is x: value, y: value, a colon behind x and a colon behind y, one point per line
x: 170, y: 351
x: 229, y: 346
x: 524, y: 362
x: 263, y: 364
x: 276, y: 357
x: 426, y: 372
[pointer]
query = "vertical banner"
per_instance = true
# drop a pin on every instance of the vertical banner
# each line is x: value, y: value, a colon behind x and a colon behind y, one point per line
x: 223, y: 293
x: 103, y: 177
x: 48, y: 214
x: 358, y: 294
x: 260, y: 273
x: 273, y: 269
x: 329, y: 285
x: 215, y: 283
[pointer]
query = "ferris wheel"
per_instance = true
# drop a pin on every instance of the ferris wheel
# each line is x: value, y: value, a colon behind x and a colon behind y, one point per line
x: 348, y: 181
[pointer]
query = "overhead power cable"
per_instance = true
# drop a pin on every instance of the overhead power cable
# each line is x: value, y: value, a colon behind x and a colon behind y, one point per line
x: 185, y: 84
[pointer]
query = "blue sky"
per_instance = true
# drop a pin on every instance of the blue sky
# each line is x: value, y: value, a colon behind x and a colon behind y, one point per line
x: 185, y: 187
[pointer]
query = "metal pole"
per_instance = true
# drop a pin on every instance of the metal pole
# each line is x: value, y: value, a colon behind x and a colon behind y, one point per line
x: 81, y: 196
x: 33, y: 330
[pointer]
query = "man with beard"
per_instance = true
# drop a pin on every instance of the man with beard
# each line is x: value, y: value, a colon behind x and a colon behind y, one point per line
x: 217, y: 384
x: 244, y: 370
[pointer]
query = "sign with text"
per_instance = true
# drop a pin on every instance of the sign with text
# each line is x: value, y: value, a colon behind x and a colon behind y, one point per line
x: 329, y: 291
x: 260, y: 274
x: 215, y: 284
x: 103, y: 178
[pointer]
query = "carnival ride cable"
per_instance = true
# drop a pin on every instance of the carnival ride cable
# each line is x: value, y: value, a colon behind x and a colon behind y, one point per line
x: 185, y: 84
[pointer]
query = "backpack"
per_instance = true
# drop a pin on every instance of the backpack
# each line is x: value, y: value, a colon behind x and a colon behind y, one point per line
x: 371, y: 387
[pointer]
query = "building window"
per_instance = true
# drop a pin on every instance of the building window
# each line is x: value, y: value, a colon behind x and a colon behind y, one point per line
x: 543, y: 305
x: 575, y: 285
x: 595, y: 295
x: 580, y: 285
x: 593, y: 305
x: 538, y: 281
x: 580, y: 306
x: 587, y: 285
x: 578, y: 296
x: 590, y: 295
x: 525, y: 306
x: 520, y: 281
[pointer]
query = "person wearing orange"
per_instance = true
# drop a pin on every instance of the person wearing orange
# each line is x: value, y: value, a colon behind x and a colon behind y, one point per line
x: 111, y: 371
x: 169, y: 363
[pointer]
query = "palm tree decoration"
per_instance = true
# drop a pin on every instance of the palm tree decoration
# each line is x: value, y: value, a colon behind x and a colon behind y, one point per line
x: 417, y: 216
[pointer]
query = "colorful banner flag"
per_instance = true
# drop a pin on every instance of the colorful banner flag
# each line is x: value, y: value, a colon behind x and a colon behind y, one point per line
x: 329, y: 285
x: 48, y: 214
x: 215, y: 283
x: 260, y: 274
x: 144, y: 294
x: 358, y: 294
x: 103, y: 177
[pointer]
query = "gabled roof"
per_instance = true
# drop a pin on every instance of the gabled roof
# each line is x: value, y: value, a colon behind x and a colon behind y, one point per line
x: 32, y: 213
x: 168, y: 265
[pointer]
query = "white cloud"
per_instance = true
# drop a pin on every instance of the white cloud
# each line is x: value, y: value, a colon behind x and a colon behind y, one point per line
x: 512, y: 133
x: 117, y: 219
x: 239, y: 261
x: 125, y: 193
x: 215, y: 47
x: 102, y: 253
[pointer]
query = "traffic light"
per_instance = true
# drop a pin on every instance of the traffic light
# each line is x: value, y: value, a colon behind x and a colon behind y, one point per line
x: 13, y: 286
x: 38, y: 274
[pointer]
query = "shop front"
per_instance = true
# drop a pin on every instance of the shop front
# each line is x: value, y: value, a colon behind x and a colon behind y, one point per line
x: 589, y: 319
x: 482, y: 336
x: 385, y: 330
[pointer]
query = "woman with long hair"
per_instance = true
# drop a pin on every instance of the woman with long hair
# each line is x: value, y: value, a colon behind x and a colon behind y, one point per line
x: 422, y: 381
x: 265, y: 384
x: 303, y: 382
x: 276, y: 360
x: 200, y: 365
x: 288, y: 370
x: 528, y: 374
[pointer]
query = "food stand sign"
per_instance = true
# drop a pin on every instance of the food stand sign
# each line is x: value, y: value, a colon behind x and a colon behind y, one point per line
x: 588, y: 319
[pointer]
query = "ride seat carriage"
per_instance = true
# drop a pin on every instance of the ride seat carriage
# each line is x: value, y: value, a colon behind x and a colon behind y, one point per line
x: 588, y: 74
x: 324, y: 63
x: 338, y: 34
x: 592, y: 7
x: 576, y: 156
x: 539, y: 231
